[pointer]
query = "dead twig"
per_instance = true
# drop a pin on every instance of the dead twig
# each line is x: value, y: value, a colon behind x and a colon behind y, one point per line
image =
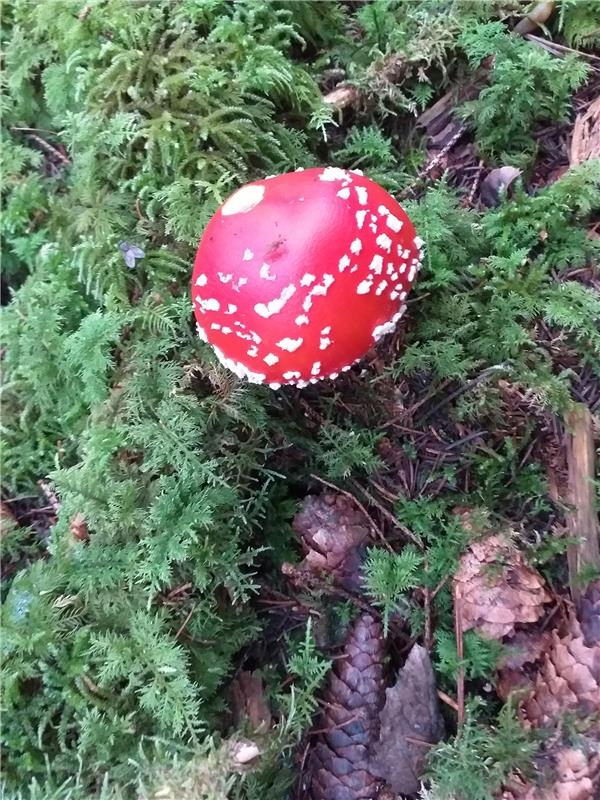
x: 460, y: 675
x: 581, y: 516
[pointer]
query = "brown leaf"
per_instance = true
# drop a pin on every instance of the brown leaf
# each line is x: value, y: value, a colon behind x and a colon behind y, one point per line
x: 410, y: 723
x: 339, y: 760
x: 248, y: 700
x: 332, y: 531
x: 497, y: 589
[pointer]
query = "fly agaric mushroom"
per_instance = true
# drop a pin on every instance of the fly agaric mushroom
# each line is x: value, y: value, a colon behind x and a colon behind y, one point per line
x: 297, y: 275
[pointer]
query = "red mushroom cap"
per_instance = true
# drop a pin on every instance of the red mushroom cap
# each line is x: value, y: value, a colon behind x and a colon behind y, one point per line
x: 296, y: 276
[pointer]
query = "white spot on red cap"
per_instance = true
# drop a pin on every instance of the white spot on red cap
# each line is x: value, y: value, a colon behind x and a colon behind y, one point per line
x: 316, y: 368
x: 289, y: 376
x: 394, y: 223
x: 333, y: 376
x: 419, y: 242
x: 274, y: 306
x: 307, y: 279
x: 384, y: 241
x: 275, y: 386
x: 244, y: 200
x: 252, y: 351
x: 215, y: 326
x: 333, y: 174
x: 344, y: 193
x: 360, y: 218
x: 393, y: 294
x: 236, y: 285
x: 201, y: 280
x: 301, y: 320
x: 381, y: 288
x: 357, y: 172
x: 224, y: 278
x: 327, y: 329
x: 376, y: 264
x: 344, y: 262
x: 324, y: 343
x: 307, y: 303
x: 241, y: 370
x: 383, y: 210
x: 231, y: 309
x: 271, y: 359
x: 291, y: 345
x: 265, y: 274
x: 364, y: 287
x: 356, y: 246
x: 201, y: 333
x: 402, y: 268
x: 209, y: 305
x: 381, y: 330
x: 248, y: 255
x: 362, y: 195
x: 412, y: 273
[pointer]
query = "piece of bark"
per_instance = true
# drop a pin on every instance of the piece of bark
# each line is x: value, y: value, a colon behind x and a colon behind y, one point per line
x: 497, y: 589
x: 339, y: 761
x: 248, y: 701
x: 585, y: 142
x: 581, y: 517
x: 332, y: 532
x: 410, y: 724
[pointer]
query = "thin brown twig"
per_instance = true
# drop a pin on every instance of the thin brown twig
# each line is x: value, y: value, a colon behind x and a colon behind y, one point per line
x: 183, y: 625
x: 445, y: 698
x: 460, y: 676
x: 390, y: 517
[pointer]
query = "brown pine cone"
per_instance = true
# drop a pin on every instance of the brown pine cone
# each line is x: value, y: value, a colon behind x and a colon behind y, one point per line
x: 332, y: 531
x: 569, y: 677
x: 575, y: 777
x: 339, y: 759
x: 497, y: 588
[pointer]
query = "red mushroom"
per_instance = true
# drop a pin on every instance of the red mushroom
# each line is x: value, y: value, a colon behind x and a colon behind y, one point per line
x: 297, y: 275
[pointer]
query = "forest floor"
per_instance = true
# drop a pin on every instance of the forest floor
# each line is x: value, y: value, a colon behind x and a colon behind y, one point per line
x: 382, y: 586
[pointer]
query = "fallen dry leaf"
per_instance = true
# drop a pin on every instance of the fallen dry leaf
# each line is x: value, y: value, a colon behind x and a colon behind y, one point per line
x: 497, y: 589
x: 410, y: 723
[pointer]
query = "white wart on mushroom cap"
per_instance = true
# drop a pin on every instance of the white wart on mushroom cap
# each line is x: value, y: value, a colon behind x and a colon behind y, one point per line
x: 296, y: 276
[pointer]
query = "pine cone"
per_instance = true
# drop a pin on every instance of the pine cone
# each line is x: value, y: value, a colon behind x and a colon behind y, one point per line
x: 575, y: 778
x: 569, y: 677
x: 339, y: 759
x: 332, y: 532
x: 497, y: 589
